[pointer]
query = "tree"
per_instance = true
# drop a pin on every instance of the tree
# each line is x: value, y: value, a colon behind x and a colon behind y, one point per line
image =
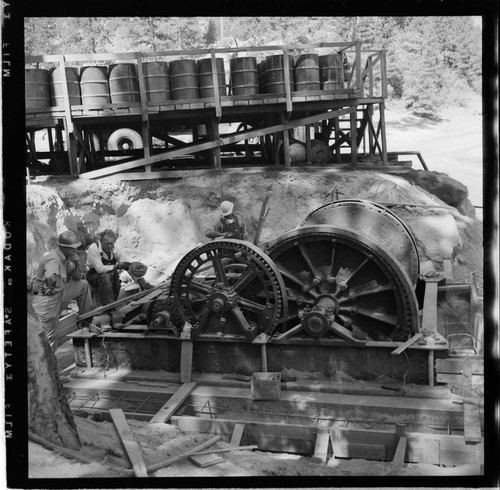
x: 211, y: 34
x: 49, y: 415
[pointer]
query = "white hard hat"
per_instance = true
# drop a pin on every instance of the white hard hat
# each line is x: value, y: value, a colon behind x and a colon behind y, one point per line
x: 226, y: 208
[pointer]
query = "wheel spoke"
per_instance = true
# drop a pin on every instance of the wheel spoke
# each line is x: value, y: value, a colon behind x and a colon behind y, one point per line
x: 307, y: 260
x: 380, y: 317
x: 361, y: 291
x: 245, y: 279
x: 220, y: 273
x: 198, y: 287
x: 332, y: 260
x: 251, y: 305
x: 345, y: 284
x: 291, y: 277
x: 241, y: 320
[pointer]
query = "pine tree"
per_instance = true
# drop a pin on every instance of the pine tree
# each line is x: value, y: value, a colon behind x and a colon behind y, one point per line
x: 211, y: 34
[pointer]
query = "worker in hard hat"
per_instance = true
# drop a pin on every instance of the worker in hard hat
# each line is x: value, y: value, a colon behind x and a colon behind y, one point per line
x: 229, y: 225
x: 59, y: 278
x: 105, y: 262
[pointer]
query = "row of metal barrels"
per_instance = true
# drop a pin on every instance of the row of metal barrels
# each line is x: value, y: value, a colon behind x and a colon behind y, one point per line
x: 182, y: 79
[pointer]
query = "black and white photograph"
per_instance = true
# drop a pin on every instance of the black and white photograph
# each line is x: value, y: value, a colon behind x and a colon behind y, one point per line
x: 250, y: 251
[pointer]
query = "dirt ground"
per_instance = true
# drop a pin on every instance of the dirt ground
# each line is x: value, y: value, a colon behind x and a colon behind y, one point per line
x: 161, y: 441
x: 160, y: 221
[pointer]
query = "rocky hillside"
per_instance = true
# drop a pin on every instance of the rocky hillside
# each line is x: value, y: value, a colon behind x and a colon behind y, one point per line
x: 160, y: 221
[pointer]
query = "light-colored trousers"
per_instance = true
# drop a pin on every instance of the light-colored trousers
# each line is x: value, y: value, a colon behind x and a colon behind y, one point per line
x: 48, y: 308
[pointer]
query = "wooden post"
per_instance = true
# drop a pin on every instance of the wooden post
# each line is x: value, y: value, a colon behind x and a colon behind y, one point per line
x: 383, y: 73
x: 173, y: 403
x: 286, y: 68
x: 354, y: 137
x: 382, y: 133
x: 337, y: 138
x: 286, y: 144
x: 321, y: 447
x: 215, y: 136
x: 359, y: 87
x: 308, y: 142
x: 186, y: 354
x: 215, y: 78
x: 237, y: 435
x: 146, y: 136
x: 263, y: 352
x: 371, y: 147
x: 88, y: 354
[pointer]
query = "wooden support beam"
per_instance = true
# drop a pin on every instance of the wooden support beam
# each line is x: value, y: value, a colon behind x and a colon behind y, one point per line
x: 286, y: 68
x: 399, y: 455
x: 406, y: 344
x: 175, y: 401
x: 64, y: 86
x: 234, y: 138
x: 383, y: 133
x: 472, y: 423
x: 237, y: 435
x: 322, y: 445
x: 146, y: 136
x: 429, y: 318
x: 132, y: 447
x: 66, y: 324
x: 448, y: 269
x: 286, y: 145
x: 354, y: 146
x: 186, y: 360
x: 215, y: 81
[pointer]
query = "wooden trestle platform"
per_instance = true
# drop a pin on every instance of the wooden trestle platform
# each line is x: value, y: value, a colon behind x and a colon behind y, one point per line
x: 342, y: 117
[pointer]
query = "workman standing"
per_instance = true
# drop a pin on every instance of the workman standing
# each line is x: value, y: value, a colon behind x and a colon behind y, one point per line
x: 105, y: 262
x: 59, y: 279
x: 230, y: 225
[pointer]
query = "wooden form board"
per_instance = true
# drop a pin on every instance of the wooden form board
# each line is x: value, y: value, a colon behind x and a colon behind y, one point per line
x: 173, y: 403
x: 353, y: 443
x: 456, y: 365
x: 132, y: 447
x: 429, y: 318
x: 472, y: 423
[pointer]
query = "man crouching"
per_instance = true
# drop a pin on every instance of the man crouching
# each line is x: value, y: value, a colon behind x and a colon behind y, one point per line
x: 105, y: 263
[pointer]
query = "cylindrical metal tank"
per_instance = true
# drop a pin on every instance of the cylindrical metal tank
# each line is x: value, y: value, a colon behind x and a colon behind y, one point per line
x: 36, y: 88
x: 261, y: 70
x: 330, y: 66
x: 73, y: 84
x: 94, y: 85
x: 183, y: 79
x: 307, y: 72
x: 156, y: 82
x: 244, y: 76
x: 123, y: 83
x: 275, y: 74
x: 205, y: 78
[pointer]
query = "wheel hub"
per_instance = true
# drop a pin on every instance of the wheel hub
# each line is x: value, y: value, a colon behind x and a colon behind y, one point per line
x: 222, y: 301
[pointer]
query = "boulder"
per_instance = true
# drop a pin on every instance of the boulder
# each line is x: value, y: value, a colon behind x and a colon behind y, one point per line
x: 440, y: 184
x: 437, y: 236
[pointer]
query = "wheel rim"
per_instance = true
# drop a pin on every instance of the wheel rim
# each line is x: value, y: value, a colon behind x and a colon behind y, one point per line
x: 364, y: 287
x: 229, y: 287
x: 374, y: 221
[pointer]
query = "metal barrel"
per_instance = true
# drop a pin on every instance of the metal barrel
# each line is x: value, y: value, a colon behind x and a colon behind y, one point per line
x: 330, y: 71
x: 307, y: 73
x: 156, y: 82
x: 183, y: 79
x: 261, y: 70
x: 244, y: 76
x: 36, y: 88
x: 94, y: 85
x: 275, y: 74
x: 205, y: 78
x: 72, y: 82
x: 123, y: 83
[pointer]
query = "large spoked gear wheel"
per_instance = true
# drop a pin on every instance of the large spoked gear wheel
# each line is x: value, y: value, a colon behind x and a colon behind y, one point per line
x: 229, y: 288
x: 338, y: 280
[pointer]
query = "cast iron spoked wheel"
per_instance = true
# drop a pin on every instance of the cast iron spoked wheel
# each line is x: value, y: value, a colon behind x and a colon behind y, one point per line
x: 374, y: 221
x: 365, y: 286
x: 229, y: 287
